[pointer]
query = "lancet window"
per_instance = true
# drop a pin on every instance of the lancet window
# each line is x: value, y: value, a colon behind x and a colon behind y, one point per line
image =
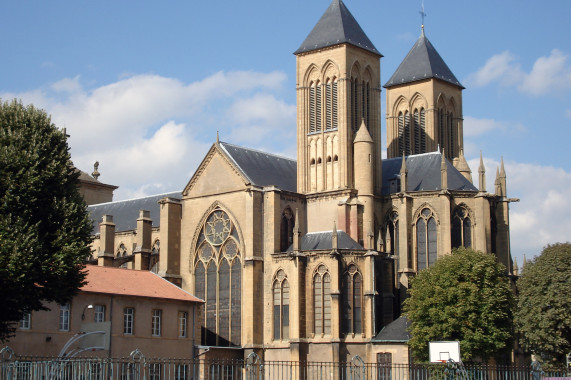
x: 426, y: 239
x: 315, y: 107
x: 461, y: 228
x: 331, y: 107
x: 280, y: 290
x: 322, y: 301
x: 352, y: 301
x: 218, y: 278
x: 286, y: 229
x: 419, y: 131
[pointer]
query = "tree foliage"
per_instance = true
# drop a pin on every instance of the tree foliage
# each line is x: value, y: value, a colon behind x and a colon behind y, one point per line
x: 465, y: 297
x: 543, y: 316
x: 44, y: 226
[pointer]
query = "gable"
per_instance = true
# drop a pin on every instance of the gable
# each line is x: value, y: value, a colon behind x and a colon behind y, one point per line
x: 215, y: 175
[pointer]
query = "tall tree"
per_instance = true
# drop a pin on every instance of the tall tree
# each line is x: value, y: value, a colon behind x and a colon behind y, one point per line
x: 543, y: 316
x: 465, y: 297
x: 44, y: 226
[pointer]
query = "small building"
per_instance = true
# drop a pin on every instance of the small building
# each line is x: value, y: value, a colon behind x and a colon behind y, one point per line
x: 116, y: 312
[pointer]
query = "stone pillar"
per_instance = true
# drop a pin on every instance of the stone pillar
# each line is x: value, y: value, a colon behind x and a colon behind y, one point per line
x: 107, y: 242
x: 169, y: 236
x: 142, y: 251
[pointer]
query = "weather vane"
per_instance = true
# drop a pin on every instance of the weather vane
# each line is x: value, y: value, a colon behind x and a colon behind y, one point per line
x: 422, y: 14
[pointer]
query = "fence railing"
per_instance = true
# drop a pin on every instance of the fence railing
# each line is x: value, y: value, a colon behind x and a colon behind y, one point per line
x: 138, y: 367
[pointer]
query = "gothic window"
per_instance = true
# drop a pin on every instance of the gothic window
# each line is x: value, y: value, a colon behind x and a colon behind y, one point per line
x: 322, y: 301
x: 315, y: 107
x: 401, y: 133
x: 406, y: 133
x: 441, y: 129
x: 426, y: 239
x: 419, y: 131
x: 461, y: 228
x: 451, y: 135
x: 355, y: 104
x: 281, y: 306
x: 218, y: 276
x: 334, y: 106
x: 286, y: 229
x: 352, y: 301
x: 422, y: 132
x: 393, y: 233
x: 155, y: 255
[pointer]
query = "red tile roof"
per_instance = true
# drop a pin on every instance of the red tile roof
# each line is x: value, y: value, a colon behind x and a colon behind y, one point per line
x: 136, y: 283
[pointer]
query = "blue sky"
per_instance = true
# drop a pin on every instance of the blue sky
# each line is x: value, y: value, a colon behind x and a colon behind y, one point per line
x: 144, y: 86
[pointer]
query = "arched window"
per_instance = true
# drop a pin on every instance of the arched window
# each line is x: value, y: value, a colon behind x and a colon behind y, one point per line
x: 407, y: 133
x: 281, y: 306
x: 315, y: 107
x: 426, y: 239
x: 416, y: 131
x: 355, y: 104
x: 155, y: 257
x: 461, y: 228
x: 451, y: 135
x: 218, y: 279
x: 322, y: 301
x: 401, y: 133
x: 331, y: 108
x: 286, y: 229
x: 352, y: 301
x: 441, y: 129
x: 422, y: 131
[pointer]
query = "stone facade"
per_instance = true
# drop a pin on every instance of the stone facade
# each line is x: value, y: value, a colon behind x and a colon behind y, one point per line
x: 310, y: 259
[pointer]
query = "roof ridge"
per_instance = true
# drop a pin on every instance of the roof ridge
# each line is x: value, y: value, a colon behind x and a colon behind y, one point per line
x: 135, y: 199
x: 259, y: 151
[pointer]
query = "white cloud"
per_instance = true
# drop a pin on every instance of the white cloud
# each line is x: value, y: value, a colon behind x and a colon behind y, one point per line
x: 475, y: 127
x: 149, y: 132
x: 541, y: 215
x: 501, y: 68
x: 549, y: 73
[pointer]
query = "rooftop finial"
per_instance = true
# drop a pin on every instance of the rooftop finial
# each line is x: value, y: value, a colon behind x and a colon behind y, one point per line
x: 217, y: 138
x: 422, y: 16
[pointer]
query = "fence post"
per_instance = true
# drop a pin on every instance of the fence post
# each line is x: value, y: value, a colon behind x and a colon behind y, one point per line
x: 254, y: 367
x: 7, y: 364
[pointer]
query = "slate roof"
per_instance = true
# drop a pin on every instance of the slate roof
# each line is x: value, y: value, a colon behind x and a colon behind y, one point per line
x: 396, y: 331
x: 318, y: 241
x: 423, y: 174
x: 422, y: 62
x: 137, y: 283
x: 125, y: 213
x: 336, y: 26
x: 263, y: 169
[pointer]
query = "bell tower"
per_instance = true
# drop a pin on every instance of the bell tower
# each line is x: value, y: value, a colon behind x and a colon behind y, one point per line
x: 338, y: 88
x: 424, y: 105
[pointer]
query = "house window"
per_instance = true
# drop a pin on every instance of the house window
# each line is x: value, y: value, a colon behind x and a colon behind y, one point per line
x: 281, y: 306
x: 426, y: 239
x: 352, y: 301
x: 322, y: 301
x: 64, y: 317
x: 156, y: 322
x: 461, y: 228
x: 99, y: 314
x: 182, y: 324
x: 26, y: 321
x: 128, y: 320
x: 218, y: 280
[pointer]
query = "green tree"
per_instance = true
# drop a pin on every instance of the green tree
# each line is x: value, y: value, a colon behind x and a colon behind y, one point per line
x: 543, y: 316
x: 465, y: 297
x: 44, y: 226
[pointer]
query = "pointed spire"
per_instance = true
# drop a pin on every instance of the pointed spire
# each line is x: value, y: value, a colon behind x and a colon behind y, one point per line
x: 516, y: 268
x: 363, y: 134
x: 524, y: 262
x: 388, y: 241
x: 403, y: 175
x: 501, y: 179
x: 462, y: 166
x: 481, y: 175
x: 381, y: 242
x: 296, y: 233
x: 443, y: 172
x: 217, y: 138
x: 498, y: 191
x: 334, y: 238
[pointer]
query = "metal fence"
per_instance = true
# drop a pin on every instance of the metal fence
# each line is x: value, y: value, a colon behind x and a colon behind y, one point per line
x: 138, y: 367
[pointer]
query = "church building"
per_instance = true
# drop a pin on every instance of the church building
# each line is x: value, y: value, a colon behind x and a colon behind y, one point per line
x: 310, y: 259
